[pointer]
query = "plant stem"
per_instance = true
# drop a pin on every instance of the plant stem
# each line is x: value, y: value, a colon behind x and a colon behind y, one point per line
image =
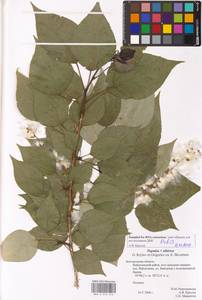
x: 74, y: 159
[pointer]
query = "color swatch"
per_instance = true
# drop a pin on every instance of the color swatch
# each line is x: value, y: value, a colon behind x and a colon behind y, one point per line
x: 162, y: 23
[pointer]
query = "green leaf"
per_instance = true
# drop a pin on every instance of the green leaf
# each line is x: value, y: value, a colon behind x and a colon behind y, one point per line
x: 47, y: 75
x: 75, y: 88
x: 40, y: 158
x: 120, y: 226
x: 86, y: 262
x: 94, y: 111
x: 103, y: 192
x: 144, y: 80
x: 79, y: 239
x: 29, y: 179
x: 25, y: 97
x: 47, y: 215
x: 136, y: 113
x: 112, y: 104
x: 176, y: 193
x: 52, y: 28
x: 117, y: 208
x: 95, y: 225
x: 154, y: 218
x: 59, y: 195
x: 93, y: 29
x: 110, y: 249
x: 19, y: 246
x: 164, y: 157
x: 91, y: 133
x: 81, y: 173
x: 48, y: 242
x: 50, y: 110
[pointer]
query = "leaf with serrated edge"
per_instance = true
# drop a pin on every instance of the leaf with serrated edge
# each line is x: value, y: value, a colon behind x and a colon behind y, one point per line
x: 19, y: 246
x: 86, y: 262
x: 154, y: 218
x: 93, y: 57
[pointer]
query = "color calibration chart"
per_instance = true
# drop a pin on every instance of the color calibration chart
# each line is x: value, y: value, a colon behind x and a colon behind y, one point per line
x: 163, y: 23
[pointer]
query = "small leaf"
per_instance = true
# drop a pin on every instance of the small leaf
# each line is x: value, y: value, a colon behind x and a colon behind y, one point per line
x: 29, y: 179
x: 144, y: 80
x: 52, y: 28
x: 91, y: 133
x: 47, y: 75
x: 176, y: 193
x: 19, y: 246
x: 110, y: 249
x: 24, y: 96
x: 136, y: 113
x: 86, y: 262
x: 154, y: 218
x: 93, y: 29
x: 164, y: 156
x: 39, y: 157
x: 95, y: 225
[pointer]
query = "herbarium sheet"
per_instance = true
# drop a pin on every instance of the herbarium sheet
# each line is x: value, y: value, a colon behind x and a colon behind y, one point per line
x: 100, y: 155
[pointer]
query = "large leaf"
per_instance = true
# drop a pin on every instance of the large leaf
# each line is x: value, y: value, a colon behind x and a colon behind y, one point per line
x: 110, y: 249
x: 93, y: 29
x: 29, y: 178
x: 52, y: 28
x: 164, y: 156
x: 136, y: 113
x: 47, y: 75
x: 154, y: 218
x: 144, y: 80
x: 95, y: 225
x: 25, y: 97
x: 39, y: 157
x: 176, y: 193
x: 86, y: 262
x: 19, y: 246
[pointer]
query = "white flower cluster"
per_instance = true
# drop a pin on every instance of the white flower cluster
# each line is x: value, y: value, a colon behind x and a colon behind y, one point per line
x: 183, y: 155
x: 62, y: 163
x: 32, y: 130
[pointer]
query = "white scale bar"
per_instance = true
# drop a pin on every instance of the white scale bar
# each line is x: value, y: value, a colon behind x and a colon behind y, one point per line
x: 73, y: 44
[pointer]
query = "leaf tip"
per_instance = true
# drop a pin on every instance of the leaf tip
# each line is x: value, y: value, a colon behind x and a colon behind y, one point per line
x: 96, y: 8
x: 35, y: 8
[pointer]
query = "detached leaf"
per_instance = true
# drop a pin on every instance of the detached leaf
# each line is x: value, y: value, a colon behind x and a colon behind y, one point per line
x: 19, y: 246
x: 93, y: 29
x: 154, y: 218
x: 176, y: 193
x: 86, y: 262
x: 110, y: 249
x: 95, y: 225
x: 136, y: 113
x: 164, y: 157
x: 25, y: 97
x: 52, y: 28
x: 144, y: 80
x: 47, y: 75
x: 29, y: 179
x: 40, y: 158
